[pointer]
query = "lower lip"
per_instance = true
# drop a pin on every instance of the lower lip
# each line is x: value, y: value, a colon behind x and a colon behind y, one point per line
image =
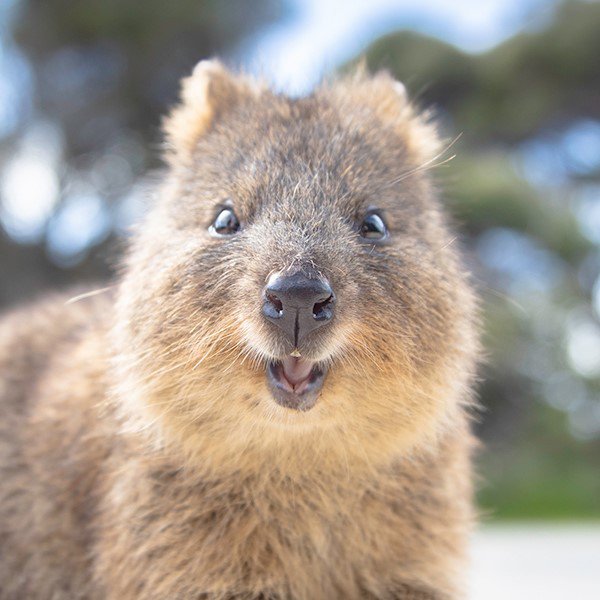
x: 305, y: 394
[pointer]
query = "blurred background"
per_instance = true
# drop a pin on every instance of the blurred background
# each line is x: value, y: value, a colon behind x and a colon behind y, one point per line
x: 83, y: 86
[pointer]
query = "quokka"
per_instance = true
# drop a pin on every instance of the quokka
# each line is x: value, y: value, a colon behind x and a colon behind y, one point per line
x: 272, y: 402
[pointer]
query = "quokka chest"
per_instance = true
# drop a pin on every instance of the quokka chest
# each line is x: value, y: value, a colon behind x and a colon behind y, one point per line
x: 297, y: 541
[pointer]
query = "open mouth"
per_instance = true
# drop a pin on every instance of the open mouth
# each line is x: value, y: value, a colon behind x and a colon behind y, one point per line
x: 295, y: 382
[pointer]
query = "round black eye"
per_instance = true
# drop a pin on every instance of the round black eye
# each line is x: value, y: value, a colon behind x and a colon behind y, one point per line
x: 373, y: 227
x: 226, y: 223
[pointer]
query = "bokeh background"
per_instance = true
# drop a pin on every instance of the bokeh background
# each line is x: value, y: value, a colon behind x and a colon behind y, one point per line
x: 83, y: 85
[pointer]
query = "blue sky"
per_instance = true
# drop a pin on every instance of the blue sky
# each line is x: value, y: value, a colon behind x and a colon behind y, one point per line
x: 320, y: 34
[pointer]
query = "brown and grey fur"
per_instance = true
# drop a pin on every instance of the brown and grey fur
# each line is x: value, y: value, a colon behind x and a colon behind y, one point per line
x: 141, y: 452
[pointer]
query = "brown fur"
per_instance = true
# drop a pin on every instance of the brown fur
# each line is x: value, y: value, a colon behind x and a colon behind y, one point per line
x: 141, y: 453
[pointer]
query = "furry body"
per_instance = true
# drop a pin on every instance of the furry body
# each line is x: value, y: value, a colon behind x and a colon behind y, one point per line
x: 141, y: 453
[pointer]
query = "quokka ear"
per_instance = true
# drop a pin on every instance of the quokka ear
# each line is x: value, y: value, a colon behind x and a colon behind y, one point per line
x: 388, y: 99
x: 208, y: 93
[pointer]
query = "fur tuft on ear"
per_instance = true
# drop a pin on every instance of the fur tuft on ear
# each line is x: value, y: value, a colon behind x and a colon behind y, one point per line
x: 209, y: 92
x: 389, y: 101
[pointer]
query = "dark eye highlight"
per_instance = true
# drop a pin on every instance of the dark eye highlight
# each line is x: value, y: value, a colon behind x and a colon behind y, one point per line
x: 226, y: 223
x: 373, y: 228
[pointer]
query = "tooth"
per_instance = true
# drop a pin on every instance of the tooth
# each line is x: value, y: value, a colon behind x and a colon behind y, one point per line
x: 296, y: 353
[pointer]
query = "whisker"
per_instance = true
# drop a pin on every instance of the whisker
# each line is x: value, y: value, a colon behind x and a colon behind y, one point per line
x: 88, y: 295
x: 429, y: 164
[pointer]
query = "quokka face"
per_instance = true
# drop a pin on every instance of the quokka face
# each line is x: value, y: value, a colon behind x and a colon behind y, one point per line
x: 295, y: 282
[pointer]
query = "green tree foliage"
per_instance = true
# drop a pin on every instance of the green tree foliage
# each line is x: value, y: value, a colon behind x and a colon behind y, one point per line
x: 532, y: 81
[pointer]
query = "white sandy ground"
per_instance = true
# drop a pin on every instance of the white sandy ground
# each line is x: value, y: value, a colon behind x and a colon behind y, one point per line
x: 536, y: 562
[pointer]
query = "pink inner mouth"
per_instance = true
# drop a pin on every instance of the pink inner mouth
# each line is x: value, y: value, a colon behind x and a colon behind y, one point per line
x: 297, y: 373
x: 295, y: 382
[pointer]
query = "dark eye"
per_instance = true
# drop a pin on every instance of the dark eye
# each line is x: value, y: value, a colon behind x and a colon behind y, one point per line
x: 373, y: 227
x: 226, y: 223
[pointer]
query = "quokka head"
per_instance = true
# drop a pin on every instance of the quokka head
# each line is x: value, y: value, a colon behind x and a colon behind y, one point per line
x: 295, y: 281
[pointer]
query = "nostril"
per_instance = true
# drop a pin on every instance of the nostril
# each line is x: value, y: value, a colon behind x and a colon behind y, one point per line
x: 273, y: 306
x: 275, y: 301
x: 323, y: 311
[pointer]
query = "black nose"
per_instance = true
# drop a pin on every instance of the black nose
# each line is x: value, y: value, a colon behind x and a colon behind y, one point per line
x: 298, y: 304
